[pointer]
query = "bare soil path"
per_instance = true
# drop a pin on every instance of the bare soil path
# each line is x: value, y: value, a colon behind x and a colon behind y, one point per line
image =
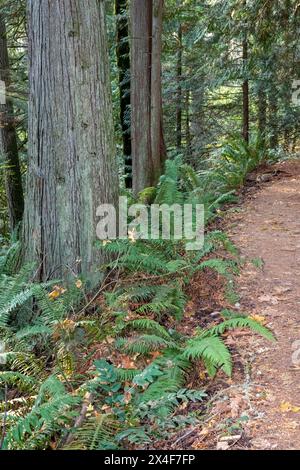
x: 267, y: 231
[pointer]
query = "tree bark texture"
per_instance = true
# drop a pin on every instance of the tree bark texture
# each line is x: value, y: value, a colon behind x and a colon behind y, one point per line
x: 72, y: 167
x: 148, y: 149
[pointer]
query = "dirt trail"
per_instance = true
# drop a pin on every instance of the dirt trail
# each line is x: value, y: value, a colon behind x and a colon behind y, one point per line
x: 268, y: 228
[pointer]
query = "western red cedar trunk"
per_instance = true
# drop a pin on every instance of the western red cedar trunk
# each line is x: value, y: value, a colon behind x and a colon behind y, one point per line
x: 158, y: 150
x: 72, y: 166
x: 123, y: 60
x: 8, y: 140
x: 148, y: 150
x: 141, y: 31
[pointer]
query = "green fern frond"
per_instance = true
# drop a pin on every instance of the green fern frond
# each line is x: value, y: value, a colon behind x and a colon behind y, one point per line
x: 212, y: 349
x: 34, y: 330
x: 146, y: 324
x: 223, y: 267
x: 51, y: 410
x: 241, y: 322
x: 19, y: 381
x: 143, y: 344
x: 97, y: 433
x: 168, y: 299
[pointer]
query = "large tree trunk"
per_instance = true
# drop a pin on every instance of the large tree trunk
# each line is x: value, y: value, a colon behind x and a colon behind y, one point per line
x: 148, y: 149
x: 8, y: 140
x: 123, y: 59
x: 72, y: 168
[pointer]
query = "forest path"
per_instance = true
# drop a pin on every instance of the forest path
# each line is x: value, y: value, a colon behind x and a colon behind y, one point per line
x: 268, y: 228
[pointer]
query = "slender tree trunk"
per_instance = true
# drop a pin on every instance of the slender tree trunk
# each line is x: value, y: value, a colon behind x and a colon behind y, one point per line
x: 273, y: 110
x: 197, y: 126
x: 179, y: 92
x: 141, y: 24
x: 245, y: 94
x: 262, y: 111
x: 188, y: 139
x: 123, y: 59
x: 72, y: 168
x: 158, y: 151
x: 286, y: 137
x: 148, y: 150
x: 295, y: 139
x: 8, y: 140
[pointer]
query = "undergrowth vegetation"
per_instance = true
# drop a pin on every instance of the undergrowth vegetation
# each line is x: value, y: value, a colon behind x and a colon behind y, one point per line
x: 110, y: 370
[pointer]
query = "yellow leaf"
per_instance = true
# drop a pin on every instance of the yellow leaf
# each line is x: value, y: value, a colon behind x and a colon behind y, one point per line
x: 202, y: 375
x: 259, y: 319
x: 78, y: 284
x: 285, y: 406
x: 57, y: 292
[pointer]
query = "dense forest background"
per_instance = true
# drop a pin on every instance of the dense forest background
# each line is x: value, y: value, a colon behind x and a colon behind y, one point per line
x: 162, y: 101
x: 228, y: 68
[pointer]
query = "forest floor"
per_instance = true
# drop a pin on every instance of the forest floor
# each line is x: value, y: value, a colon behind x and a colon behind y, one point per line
x: 259, y: 407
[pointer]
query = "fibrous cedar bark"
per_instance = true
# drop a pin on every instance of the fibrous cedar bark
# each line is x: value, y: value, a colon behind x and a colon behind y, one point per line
x: 72, y: 167
x: 148, y: 149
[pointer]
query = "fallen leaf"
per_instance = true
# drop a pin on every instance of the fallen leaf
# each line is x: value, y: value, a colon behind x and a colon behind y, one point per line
x: 127, y: 363
x: 57, y: 292
x: 285, y: 407
x: 258, y: 318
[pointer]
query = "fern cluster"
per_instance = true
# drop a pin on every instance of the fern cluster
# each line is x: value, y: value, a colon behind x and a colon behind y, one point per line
x: 128, y: 355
